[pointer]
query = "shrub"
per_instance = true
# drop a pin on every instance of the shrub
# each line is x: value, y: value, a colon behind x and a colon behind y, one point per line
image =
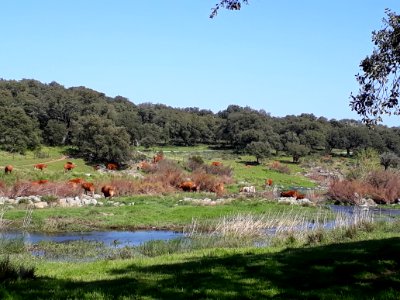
x: 347, y: 191
x: 278, y: 167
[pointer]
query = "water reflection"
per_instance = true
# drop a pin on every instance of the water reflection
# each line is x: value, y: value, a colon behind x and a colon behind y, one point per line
x: 117, y: 239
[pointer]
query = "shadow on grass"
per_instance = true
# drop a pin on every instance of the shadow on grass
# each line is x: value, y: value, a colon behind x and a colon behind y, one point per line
x: 358, y: 270
x: 248, y: 163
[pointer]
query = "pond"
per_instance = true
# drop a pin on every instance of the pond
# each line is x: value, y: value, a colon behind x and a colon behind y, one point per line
x: 378, y: 211
x: 109, y: 238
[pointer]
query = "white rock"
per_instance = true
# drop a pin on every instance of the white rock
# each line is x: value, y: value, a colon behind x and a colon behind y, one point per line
x: 41, y: 204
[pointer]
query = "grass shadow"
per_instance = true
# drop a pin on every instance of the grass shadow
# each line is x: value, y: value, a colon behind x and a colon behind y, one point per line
x: 357, y: 270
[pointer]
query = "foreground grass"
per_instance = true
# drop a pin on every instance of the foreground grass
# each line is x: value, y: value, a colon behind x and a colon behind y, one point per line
x: 366, y: 269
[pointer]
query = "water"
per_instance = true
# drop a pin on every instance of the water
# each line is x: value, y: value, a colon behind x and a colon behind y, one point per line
x: 109, y: 238
x: 378, y: 211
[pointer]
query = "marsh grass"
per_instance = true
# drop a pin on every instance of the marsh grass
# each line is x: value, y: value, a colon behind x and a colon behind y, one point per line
x: 70, y: 250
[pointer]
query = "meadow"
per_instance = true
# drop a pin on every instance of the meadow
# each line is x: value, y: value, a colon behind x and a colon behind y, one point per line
x: 226, y: 253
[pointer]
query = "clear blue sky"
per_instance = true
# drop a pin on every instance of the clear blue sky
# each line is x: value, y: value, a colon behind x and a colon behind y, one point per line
x: 286, y: 57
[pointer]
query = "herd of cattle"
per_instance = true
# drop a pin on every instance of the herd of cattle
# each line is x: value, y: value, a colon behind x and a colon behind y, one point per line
x: 109, y: 191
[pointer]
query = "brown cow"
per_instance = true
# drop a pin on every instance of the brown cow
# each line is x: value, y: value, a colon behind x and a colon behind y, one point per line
x: 88, y: 187
x: 268, y: 182
x: 188, y: 186
x: 158, y: 157
x: 216, y: 163
x: 40, y: 166
x: 293, y: 194
x: 108, y: 191
x: 112, y: 167
x: 69, y: 166
x: 76, y: 181
x: 219, y: 189
x: 8, y: 169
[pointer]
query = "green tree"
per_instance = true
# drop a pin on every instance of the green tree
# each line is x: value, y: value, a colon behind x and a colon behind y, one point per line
x: 297, y: 151
x: 379, y: 83
x: 18, y: 132
x: 55, y: 133
x: 260, y: 150
x: 100, y: 140
x: 389, y: 159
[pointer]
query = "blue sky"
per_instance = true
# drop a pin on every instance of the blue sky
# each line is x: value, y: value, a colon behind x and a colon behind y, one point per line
x: 286, y: 57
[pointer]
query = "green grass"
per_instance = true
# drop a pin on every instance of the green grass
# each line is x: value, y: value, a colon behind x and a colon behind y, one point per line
x: 366, y: 269
x: 147, y: 212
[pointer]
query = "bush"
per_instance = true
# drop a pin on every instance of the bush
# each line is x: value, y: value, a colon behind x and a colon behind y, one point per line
x: 278, y: 167
x: 381, y: 186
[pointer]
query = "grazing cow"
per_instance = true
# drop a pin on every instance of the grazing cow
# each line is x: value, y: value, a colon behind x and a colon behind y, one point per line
x: 219, y: 189
x: 216, y: 164
x: 158, y: 157
x: 268, y: 182
x: 69, y: 166
x: 40, y: 166
x: 40, y: 182
x: 108, y: 191
x: 142, y: 165
x: 112, y: 167
x: 248, y: 189
x: 8, y: 169
x: 88, y: 187
x: 188, y: 186
x: 76, y: 181
x: 293, y: 194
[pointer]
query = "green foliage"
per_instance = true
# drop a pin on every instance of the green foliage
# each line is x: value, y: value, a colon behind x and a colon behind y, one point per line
x: 297, y: 151
x: 18, y: 132
x: 389, y: 159
x: 260, y: 150
x: 99, y: 139
x: 379, y: 82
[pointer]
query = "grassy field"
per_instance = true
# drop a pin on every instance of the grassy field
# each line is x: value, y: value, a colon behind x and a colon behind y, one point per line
x: 358, y: 262
x: 353, y: 269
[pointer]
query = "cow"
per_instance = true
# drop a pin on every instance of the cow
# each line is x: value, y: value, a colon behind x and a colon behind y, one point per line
x: 143, y: 165
x: 69, y: 166
x: 189, y: 186
x: 247, y: 189
x: 268, y: 182
x: 40, y: 182
x: 293, y: 194
x: 216, y: 164
x: 76, y: 181
x: 108, y: 191
x: 218, y: 189
x: 88, y: 187
x: 158, y: 157
x: 40, y: 166
x: 112, y: 166
x: 8, y: 169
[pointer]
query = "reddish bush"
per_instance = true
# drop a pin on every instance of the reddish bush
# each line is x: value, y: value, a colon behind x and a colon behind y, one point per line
x: 218, y: 170
x: 347, y: 191
x: 278, y: 167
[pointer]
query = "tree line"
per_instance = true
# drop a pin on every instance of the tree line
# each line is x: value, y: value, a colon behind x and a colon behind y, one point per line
x: 103, y: 128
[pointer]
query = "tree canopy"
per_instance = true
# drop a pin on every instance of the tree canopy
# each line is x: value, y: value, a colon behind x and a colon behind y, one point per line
x: 380, y: 79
